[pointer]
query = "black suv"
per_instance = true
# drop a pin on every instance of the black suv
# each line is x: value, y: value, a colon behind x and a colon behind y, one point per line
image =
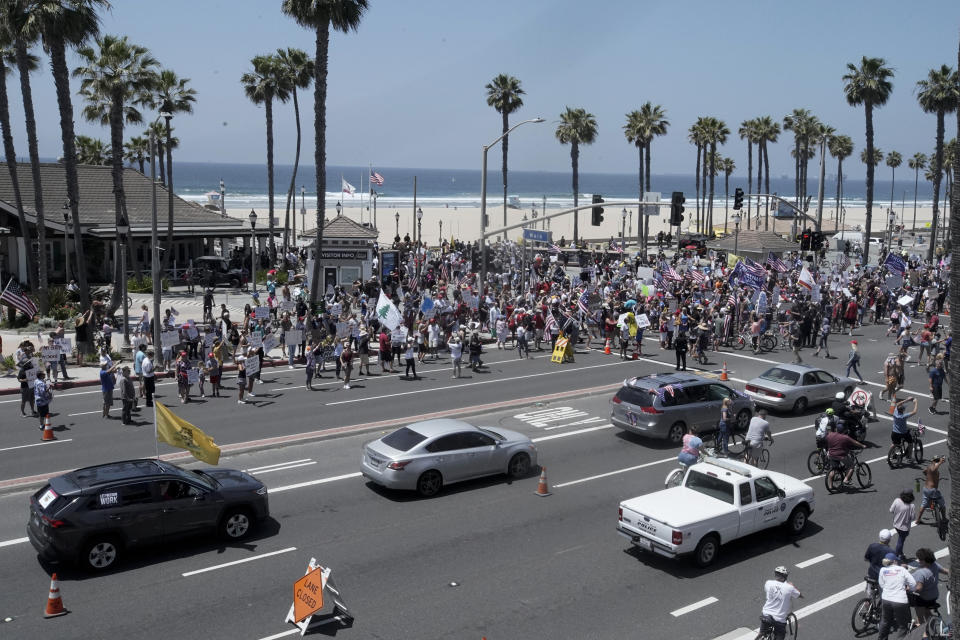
x: 92, y: 515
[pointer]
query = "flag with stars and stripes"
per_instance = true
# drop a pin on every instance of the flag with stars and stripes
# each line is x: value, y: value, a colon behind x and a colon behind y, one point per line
x: 616, y: 247
x: 14, y: 295
x: 658, y: 281
x: 376, y: 178
x: 549, y: 323
x: 583, y: 302
x: 776, y: 263
x: 413, y: 283
x: 445, y: 272
x: 844, y: 261
x: 697, y: 276
x: 754, y: 268
x: 554, y: 248
x: 669, y: 273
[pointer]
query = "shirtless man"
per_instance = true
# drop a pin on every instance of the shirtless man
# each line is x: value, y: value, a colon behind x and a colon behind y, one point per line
x: 931, y: 487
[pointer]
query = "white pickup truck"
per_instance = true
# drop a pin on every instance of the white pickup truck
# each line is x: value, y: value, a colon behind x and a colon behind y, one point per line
x: 718, y: 501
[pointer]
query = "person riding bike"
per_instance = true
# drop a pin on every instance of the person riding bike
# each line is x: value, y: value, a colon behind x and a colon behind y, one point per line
x: 900, y: 432
x: 757, y: 432
x: 846, y: 415
x: 839, y: 446
x: 826, y: 422
x: 927, y: 577
x: 690, y: 453
x: 931, y: 487
x: 779, y: 596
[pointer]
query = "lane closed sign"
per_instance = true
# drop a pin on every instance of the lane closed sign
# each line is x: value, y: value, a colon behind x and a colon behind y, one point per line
x: 308, y: 595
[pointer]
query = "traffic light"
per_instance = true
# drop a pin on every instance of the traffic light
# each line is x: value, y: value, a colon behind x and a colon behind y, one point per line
x: 817, y: 240
x: 676, y: 208
x: 596, y: 218
x: 738, y: 199
x: 805, y: 241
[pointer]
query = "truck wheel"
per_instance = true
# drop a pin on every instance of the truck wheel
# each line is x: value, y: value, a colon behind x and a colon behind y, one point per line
x: 676, y: 432
x: 797, y: 521
x: 707, y: 550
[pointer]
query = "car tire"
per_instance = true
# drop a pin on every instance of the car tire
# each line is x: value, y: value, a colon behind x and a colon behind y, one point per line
x: 100, y: 554
x: 676, y: 432
x: 743, y: 419
x: 797, y: 521
x: 236, y: 524
x: 519, y: 466
x: 707, y: 551
x: 429, y: 483
x: 234, y: 283
x: 800, y: 406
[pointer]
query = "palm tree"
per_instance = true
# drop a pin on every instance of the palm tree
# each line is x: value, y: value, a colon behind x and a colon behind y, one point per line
x: 869, y: 85
x: 635, y: 130
x: 877, y: 156
x: 263, y: 85
x: 115, y: 78
x: 748, y: 132
x: 171, y: 95
x: 726, y: 165
x: 768, y: 130
x: 917, y: 162
x: 642, y: 125
x: 63, y: 23
x: 576, y: 127
x: 796, y: 121
x: 93, y: 151
x: 695, y: 135
x: 299, y: 68
x: 894, y: 160
x: 938, y: 94
x: 8, y: 59
x: 344, y: 16
x: 504, y: 94
x: 135, y: 150
x: 657, y: 124
x: 841, y: 148
x: 821, y: 135
x: 716, y: 133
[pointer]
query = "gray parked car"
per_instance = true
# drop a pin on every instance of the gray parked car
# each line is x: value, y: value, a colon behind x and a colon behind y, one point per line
x: 794, y: 387
x: 424, y: 456
x: 93, y: 514
x: 663, y: 405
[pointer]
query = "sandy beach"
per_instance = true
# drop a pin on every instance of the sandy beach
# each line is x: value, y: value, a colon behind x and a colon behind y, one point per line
x: 463, y: 223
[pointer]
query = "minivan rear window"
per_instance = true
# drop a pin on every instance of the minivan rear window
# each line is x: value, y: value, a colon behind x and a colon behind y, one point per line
x: 403, y: 439
x: 636, y: 397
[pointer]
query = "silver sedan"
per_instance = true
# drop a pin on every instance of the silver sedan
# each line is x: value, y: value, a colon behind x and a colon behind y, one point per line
x: 794, y: 387
x: 424, y: 456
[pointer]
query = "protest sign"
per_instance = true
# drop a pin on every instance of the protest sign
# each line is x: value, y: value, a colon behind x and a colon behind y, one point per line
x: 193, y: 376
x: 255, y: 340
x: 261, y: 313
x: 252, y: 365
x: 270, y: 342
x: 293, y: 336
x: 169, y: 339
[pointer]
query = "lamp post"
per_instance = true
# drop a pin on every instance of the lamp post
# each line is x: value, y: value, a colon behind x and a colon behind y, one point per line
x: 533, y: 214
x: 419, y: 238
x: 440, y: 243
x: 123, y: 231
x: 168, y: 116
x: 892, y: 219
x: 155, y: 241
x: 736, y: 232
x: 303, y: 210
x: 623, y: 229
x: 339, y: 207
x: 483, y: 202
x: 223, y: 194
x: 66, y: 241
x: 396, y: 217
x: 253, y: 249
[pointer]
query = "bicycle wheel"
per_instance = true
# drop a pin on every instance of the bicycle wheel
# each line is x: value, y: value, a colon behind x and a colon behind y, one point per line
x: 942, y: 522
x: 767, y: 343
x: 860, y: 620
x: 737, y: 443
x: 833, y: 480
x: 792, y: 626
x: 895, y: 457
x: 816, y: 462
x: 864, y: 476
x: 763, y: 460
x: 673, y: 478
x: 918, y: 450
x: 740, y: 343
x: 937, y: 629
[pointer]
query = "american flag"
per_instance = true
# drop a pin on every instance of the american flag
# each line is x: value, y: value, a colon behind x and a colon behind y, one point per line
x: 376, y: 178
x: 616, y: 247
x: 445, y: 272
x: 414, y: 283
x: 844, y: 261
x: 732, y: 300
x: 754, y: 268
x: 464, y: 281
x: 14, y: 295
x: 583, y: 302
x: 697, y: 276
x: 554, y: 248
x: 776, y: 263
x: 549, y: 322
x: 669, y: 273
x: 658, y: 281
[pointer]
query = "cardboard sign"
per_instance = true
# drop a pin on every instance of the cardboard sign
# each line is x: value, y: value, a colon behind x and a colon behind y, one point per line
x: 293, y: 336
x: 169, y: 339
x: 255, y: 340
x: 50, y: 354
x: 252, y: 365
x: 261, y: 313
x: 193, y: 376
x: 643, y: 321
x: 904, y: 300
x: 288, y: 305
x: 336, y: 309
x: 270, y: 343
x: 31, y: 377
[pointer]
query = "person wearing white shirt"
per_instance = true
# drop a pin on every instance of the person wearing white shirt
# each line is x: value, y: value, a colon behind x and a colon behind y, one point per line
x: 149, y: 377
x: 779, y: 597
x: 894, y: 580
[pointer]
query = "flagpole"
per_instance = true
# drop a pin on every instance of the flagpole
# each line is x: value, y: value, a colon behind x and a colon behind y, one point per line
x: 156, y: 434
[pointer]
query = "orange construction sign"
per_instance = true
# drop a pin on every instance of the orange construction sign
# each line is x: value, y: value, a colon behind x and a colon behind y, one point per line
x: 308, y: 595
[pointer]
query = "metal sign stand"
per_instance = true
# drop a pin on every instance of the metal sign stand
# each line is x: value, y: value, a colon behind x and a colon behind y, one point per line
x: 337, y: 613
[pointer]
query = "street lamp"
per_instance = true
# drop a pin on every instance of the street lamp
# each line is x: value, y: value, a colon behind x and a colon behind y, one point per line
x: 623, y: 229
x: 483, y: 201
x: 223, y: 194
x: 123, y: 229
x: 892, y: 219
x: 419, y: 238
x: 736, y: 233
x: 253, y: 249
x: 440, y: 243
x: 339, y: 207
x: 396, y: 217
x: 303, y: 210
x: 154, y: 241
x: 66, y: 241
x: 533, y: 214
x: 167, y: 115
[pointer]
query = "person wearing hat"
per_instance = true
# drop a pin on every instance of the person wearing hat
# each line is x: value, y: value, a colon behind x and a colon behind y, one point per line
x: 42, y: 396
x: 876, y: 551
x: 346, y: 358
x: 363, y: 350
x: 108, y: 380
x: 779, y: 596
x: 410, y: 358
x: 894, y: 581
x: 241, y: 361
x: 456, y: 354
x: 853, y: 360
x: 149, y: 377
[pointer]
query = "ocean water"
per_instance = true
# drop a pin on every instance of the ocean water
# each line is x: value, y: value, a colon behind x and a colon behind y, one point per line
x: 246, y: 186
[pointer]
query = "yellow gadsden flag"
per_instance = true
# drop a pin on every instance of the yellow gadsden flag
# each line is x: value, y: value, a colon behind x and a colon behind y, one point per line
x: 179, y: 433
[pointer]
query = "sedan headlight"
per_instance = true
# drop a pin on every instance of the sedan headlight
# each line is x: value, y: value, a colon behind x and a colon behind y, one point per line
x: 262, y: 491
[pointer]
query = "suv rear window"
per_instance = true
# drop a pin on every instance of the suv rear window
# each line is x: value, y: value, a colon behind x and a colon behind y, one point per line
x: 49, y: 500
x: 636, y: 397
x: 403, y: 439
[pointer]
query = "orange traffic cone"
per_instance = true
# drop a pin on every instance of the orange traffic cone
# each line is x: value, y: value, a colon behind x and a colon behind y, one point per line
x: 48, y: 429
x: 606, y: 347
x: 54, y: 603
x: 723, y: 372
x: 542, y: 489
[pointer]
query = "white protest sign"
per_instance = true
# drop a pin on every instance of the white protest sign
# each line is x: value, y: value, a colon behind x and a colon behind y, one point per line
x: 293, y: 336
x: 893, y: 282
x: 252, y: 365
x: 645, y: 274
x: 343, y: 330
x: 193, y: 376
x: 261, y: 313
x: 904, y: 300
x: 270, y: 342
x: 643, y: 321
x: 255, y: 339
x: 288, y: 305
x: 192, y: 332
x: 169, y: 339
x: 136, y: 342
x: 66, y: 348
x: 336, y: 309
x: 51, y: 353
x: 396, y: 335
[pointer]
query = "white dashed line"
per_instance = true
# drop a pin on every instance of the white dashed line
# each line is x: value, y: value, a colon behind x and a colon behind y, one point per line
x: 693, y: 607
x: 813, y: 561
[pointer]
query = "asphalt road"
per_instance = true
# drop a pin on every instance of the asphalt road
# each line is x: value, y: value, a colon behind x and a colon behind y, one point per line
x: 487, y: 558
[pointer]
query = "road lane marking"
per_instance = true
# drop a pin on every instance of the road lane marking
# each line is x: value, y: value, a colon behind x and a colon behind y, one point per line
x: 230, y: 564
x: 289, y: 466
x: 616, y: 472
x: 36, y: 444
x: 693, y: 607
x: 574, y: 424
x: 7, y: 543
x: 310, y: 483
x: 282, y: 634
x: 86, y: 413
x: 571, y: 433
x: 813, y: 561
x: 475, y: 384
x: 279, y: 464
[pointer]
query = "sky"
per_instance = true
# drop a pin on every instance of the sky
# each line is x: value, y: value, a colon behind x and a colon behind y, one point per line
x: 407, y: 88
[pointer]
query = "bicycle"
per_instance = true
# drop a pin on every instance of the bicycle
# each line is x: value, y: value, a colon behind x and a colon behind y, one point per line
x: 939, y: 514
x: 834, y: 477
x: 736, y: 443
x: 792, y: 628
x: 761, y: 460
x: 675, y: 477
x: 817, y: 461
x: 907, y: 450
x: 866, y: 613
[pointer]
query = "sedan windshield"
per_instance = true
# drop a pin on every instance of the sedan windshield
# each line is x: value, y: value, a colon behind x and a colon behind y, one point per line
x: 403, y: 439
x: 783, y: 376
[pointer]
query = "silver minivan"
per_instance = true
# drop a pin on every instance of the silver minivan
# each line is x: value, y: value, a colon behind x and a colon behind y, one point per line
x: 663, y: 405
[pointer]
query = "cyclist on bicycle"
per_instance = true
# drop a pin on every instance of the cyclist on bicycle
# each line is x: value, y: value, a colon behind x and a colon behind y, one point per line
x: 931, y: 487
x: 927, y: 581
x: 757, y: 432
x: 779, y: 594
x: 846, y: 416
x: 900, y: 432
x: 894, y: 581
x: 826, y: 422
x: 876, y: 552
x: 690, y: 453
x: 839, y: 446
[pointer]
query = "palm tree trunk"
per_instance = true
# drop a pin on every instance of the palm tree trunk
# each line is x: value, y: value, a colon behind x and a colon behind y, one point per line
x: 836, y: 217
x: 796, y: 170
x: 169, y: 173
x: 293, y: 178
x: 574, y: 163
x: 116, y: 140
x: 506, y: 127
x: 726, y: 200
x: 766, y: 175
x: 916, y: 183
x: 703, y: 192
x: 9, y: 151
x: 61, y: 79
x: 320, y: 148
x: 698, y: 191
x: 937, y: 175
x: 269, y: 109
x: 640, y: 216
x: 161, y: 150
x: 761, y: 154
x: 646, y: 219
x: 713, y: 171
x: 749, y: 176
x: 868, y: 111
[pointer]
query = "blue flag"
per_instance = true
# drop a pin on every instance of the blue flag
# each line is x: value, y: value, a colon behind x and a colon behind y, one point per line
x: 895, y: 263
